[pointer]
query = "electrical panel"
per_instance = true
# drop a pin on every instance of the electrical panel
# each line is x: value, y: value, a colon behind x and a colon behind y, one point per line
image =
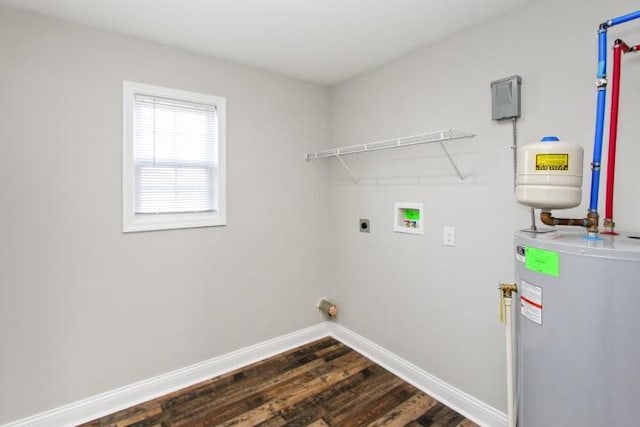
x: 505, y: 98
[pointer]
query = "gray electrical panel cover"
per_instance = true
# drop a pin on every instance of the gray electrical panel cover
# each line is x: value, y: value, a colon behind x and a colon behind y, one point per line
x: 505, y: 98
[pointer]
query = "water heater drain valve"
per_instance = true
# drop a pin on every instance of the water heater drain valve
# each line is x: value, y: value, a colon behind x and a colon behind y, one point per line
x: 507, y: 289
x: 506, y: 292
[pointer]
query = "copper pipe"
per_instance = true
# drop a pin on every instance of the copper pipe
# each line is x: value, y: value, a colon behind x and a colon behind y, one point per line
x: 590, y: 222
x: 609, y: 227
x: 328, y: 308
x: 548, y: 219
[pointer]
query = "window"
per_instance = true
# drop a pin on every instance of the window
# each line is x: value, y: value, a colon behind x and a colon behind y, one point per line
x: 173, y: 158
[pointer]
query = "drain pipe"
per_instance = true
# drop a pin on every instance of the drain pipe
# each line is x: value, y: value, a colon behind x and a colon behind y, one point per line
x: 619, y: 48
x: 601, y: 84
x: 506, y: 293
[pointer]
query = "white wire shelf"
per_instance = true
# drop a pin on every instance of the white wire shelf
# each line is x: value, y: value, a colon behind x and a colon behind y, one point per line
x: 439, y: 136
x: 425, y: 138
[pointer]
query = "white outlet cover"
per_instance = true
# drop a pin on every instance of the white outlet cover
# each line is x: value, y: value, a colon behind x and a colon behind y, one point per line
x: 449, y: 235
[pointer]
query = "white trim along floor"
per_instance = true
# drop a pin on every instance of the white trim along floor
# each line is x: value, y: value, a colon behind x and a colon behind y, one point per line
x: 133, y: 394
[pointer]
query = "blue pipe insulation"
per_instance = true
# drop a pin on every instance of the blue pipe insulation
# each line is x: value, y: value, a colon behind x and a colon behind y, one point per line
x: 601, y: 104
x: 625, y: 18
x: 600, y: 110
x: 597, y: 150
x: 602, y: 54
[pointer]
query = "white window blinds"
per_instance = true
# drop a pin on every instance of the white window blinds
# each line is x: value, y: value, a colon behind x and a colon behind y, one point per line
x: 175, y: 156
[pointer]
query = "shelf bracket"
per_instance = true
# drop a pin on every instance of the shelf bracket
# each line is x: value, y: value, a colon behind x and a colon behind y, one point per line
x: 455, y: 167
x: 348, y: 169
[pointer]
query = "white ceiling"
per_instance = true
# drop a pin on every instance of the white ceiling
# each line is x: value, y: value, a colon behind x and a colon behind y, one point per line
x: 324, y: 41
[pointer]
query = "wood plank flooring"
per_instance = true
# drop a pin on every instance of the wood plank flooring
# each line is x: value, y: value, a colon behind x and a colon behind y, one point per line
x: 323, y: 383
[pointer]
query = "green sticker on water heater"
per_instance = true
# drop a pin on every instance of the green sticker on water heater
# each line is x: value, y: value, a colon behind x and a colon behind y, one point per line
x: 541, y: 261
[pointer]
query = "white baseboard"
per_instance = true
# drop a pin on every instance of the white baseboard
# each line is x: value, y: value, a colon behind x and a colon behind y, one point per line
x: 133, y: 394
x: 456, y: 399
x: 106, y: 403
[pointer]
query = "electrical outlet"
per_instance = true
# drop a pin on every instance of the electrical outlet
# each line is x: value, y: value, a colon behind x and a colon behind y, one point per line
x: 449, y: 236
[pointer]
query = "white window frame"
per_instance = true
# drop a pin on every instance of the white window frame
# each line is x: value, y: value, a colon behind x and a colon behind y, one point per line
x: 132, y: 222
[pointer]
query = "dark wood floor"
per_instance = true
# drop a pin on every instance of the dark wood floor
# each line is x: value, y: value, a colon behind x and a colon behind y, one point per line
x: 324, y: 383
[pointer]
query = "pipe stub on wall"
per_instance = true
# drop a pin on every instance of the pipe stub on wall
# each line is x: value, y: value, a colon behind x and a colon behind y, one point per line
x: 328, y: 308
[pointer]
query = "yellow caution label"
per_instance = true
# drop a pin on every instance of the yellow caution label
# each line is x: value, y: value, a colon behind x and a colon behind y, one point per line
x: 552, y: 162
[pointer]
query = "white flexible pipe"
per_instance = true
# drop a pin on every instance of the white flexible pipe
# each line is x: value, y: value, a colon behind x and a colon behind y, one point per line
x: 511, y: 417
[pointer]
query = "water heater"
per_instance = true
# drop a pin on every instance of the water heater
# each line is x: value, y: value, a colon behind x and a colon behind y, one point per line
x: 549, y: 174
x: 578, y: 330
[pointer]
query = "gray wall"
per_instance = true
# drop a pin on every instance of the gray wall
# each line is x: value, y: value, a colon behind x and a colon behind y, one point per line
x: 437, y: 306
x: 85, y: 308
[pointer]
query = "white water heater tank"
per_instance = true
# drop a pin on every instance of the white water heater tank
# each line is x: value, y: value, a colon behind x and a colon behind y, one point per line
x: 549, y: 174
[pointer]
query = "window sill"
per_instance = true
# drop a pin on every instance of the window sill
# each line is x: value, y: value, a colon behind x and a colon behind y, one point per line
x: 159, y: 222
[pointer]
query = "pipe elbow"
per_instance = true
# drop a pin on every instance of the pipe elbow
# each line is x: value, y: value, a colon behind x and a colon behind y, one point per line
x: 547, y: 218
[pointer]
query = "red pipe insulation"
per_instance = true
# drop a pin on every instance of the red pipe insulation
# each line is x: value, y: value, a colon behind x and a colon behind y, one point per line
x: 619, y: 48
x: 613, y: 132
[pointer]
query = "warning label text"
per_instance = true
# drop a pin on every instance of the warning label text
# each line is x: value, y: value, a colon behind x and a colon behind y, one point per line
x: 552, y: 162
